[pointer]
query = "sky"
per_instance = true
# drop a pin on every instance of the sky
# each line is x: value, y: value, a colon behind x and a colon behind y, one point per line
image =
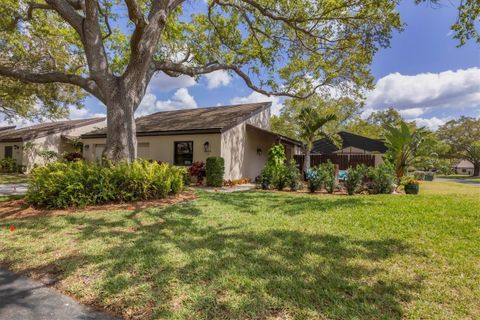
x: 423, y: 74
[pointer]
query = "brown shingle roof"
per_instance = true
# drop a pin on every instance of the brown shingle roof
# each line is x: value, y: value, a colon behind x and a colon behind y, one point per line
x: 199, y: 120
x: 44, y: 129
x: 7, y: 128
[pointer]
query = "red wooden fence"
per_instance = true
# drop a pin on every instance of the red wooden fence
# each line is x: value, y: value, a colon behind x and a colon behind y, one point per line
x: 344, y: 161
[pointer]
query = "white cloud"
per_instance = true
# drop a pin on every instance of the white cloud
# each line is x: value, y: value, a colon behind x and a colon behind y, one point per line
x: 454, y: 89
x: 431, y: 123
x: 217, y: 79
x: 181, y: 99
x: 413, y: 112
x: 165, y: 83
x: 258, y: 97
x: 82, y: 113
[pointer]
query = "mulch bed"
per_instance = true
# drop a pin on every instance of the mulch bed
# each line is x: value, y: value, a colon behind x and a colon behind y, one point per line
x: 19, y: 209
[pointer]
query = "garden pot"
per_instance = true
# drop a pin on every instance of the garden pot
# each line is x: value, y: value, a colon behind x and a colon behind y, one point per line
x: 412, y: 188
x: 428, y: 177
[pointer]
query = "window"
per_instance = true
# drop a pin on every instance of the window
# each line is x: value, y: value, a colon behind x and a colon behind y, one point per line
x: 8, y: 152
x: 99, y: 151
x: 464, y: 170
x: 183, y: 153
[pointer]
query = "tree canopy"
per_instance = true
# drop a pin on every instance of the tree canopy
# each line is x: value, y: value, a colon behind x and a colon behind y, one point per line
x: 111, y: 48
x: 463, y: 137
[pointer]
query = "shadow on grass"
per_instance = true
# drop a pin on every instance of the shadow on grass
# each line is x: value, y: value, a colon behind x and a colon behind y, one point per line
x: 170, y: 261
x: 254, y: 202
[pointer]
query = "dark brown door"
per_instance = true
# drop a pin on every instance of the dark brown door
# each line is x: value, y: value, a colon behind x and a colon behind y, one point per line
x: 8, y: 152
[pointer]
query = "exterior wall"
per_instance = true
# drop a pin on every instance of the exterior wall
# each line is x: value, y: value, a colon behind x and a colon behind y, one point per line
x: 261, y: 120
x: 16, y: 153
x: 464, y: 171
x: 161, y: 148
x: 53, y: 142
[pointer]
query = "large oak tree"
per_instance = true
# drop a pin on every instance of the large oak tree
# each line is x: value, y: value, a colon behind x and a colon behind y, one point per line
x: 111, y: 49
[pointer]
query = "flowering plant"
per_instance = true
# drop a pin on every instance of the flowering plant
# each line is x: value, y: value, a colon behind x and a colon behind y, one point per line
x: 410, y: 181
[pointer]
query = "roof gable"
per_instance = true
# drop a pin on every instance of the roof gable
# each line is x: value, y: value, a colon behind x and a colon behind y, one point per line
x: 44, y: 129
x: 198, y: 120
x: 326, y: 146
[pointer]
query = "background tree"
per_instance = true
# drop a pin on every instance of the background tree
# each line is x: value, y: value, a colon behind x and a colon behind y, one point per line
x: 463, y: 137
x: 432, y: 154
x: 403, y: 144
x: 111, y: 48
x: 311, y: 124
x: 286, y: 124
x: 465, y: 28
x: 375, y: 124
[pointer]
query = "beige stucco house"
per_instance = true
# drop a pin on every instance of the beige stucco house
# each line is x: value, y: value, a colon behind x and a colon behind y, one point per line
x: 25, y: 144
x: 238, y: 133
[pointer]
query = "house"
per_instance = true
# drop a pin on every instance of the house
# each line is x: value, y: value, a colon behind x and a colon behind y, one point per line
x: 25, y: 145
x: 238, y: 133
x: 354, y: 150
x: 464, y: 167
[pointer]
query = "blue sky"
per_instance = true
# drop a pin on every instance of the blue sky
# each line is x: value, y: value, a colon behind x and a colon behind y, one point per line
x: 423, y: 74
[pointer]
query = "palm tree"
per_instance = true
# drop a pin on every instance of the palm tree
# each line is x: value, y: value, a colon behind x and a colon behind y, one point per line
x: 310, y: 123
x: 403, y: 143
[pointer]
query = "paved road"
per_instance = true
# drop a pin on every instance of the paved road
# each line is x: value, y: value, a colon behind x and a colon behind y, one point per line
x: 13, y: 189
x: 25, y: 299
x: 475, y: 183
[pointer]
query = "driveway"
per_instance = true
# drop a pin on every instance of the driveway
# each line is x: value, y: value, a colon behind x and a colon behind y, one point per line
x: 13, y: 189
x: 475, y: 183
x: 25, y: 299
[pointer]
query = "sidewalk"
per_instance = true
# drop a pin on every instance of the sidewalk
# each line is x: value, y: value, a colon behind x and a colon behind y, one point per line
x: 25, y: 299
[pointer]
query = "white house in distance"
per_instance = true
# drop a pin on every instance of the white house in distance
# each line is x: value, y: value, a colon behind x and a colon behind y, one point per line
x: 23, y: 144
x: 238, y: 133
x: 464, y: 167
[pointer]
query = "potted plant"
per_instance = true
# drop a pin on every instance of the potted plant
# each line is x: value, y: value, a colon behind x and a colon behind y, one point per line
x: 411, y: 186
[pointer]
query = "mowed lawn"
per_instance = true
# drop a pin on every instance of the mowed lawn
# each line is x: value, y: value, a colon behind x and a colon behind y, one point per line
x: 7, y: 178
x: 266, y: 255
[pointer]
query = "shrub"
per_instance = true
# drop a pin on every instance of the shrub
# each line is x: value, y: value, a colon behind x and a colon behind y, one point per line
x: 328, y: 173
x: 232, y: 183
x: 8, y: 165
x: 197, y: 169
x: 354, y: 178
x: 315, y: 178
x: 292, y: 175
x: 215, y: 169
x: 382, y: 178
x: 66, y: 184
x: 279, y: 178
x: 266, y: 178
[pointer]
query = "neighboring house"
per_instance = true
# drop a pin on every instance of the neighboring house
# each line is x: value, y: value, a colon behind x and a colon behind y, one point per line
x: 464, y: 167
x: 355, y: 149
x: 239, y: 133
x: 26, y: 144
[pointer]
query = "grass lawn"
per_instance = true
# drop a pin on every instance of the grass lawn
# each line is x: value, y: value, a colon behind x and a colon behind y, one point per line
x: 6, y: 178
x: 10, y: 198
x: 266, y: 255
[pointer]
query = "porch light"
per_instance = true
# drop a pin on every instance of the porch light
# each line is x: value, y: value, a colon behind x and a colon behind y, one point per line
x: 206, y: 146
x: 86, y: 147
x: 259, y: 151
x: 16, y: 147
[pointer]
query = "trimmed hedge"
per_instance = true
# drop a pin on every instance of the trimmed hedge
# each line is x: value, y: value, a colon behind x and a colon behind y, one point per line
x: 79, y: 183
x: 215, y: 167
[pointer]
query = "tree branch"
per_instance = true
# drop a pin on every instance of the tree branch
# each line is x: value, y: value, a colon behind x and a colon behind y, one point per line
x: 175, y: 69
x: 52, y: 77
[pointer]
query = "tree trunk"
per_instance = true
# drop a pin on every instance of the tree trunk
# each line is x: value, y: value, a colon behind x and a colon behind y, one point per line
x: 476, y: 169
x: 121, y: 144
x: 306, y: 160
